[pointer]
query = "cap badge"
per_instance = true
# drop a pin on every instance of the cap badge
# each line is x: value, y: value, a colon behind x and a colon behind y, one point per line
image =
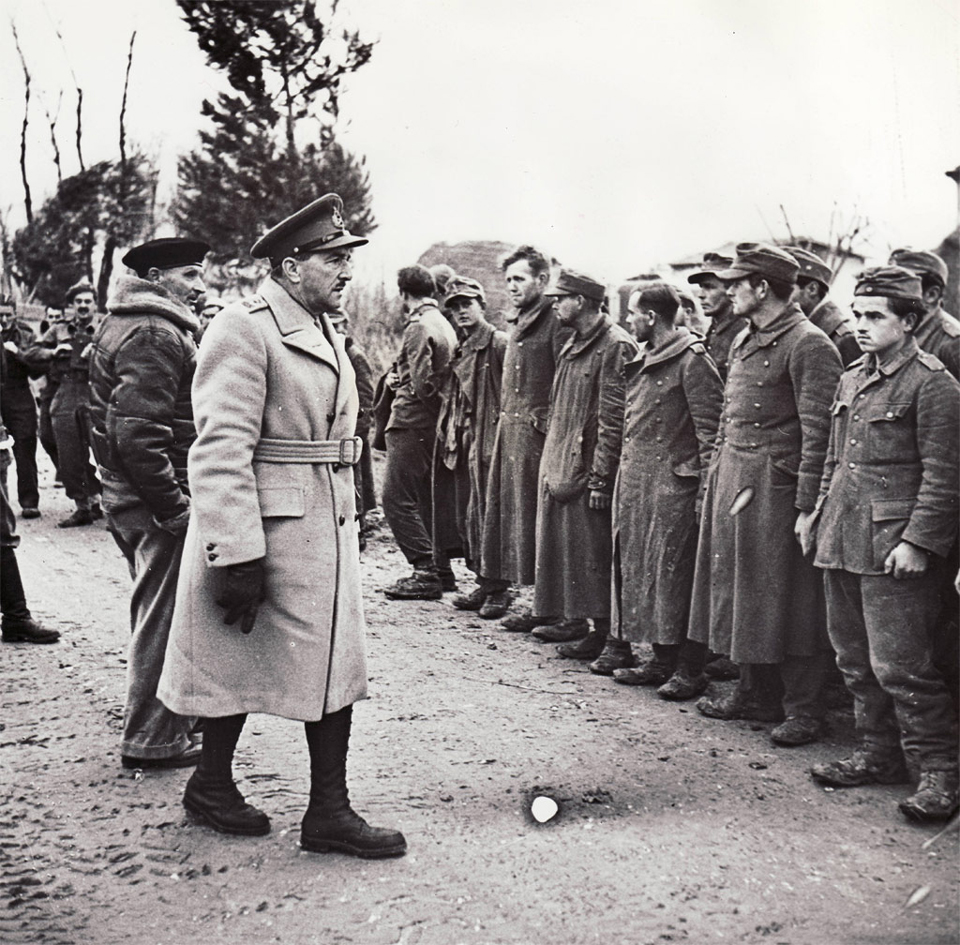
x: 336, y: 219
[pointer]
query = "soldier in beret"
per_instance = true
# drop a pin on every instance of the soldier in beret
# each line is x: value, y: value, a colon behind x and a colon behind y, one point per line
x: 141, y: 369
x: 269, y: 613
x: 887, y: 516
x: 938, y: 331
x: 717, y: 307
x: 756, y: 598
x: 578, y: 468
x: 813, y: 285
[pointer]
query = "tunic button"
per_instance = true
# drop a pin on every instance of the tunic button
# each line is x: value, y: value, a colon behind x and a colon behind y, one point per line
x: 516, y: 415
x: 517, y: 389
x: 856, y: 416
x: 889, y: 415
x: 212, y: 556
x: 757, y: 406
x: 659, y: 383
x: 853, y: 442
x: 756, y: 424
x: 767, y: 363
x: 659, y: 439
x: 343, y: 519
x: 656, y: 403
x: 659, y: 457
x: 852, y: 465
x: 519, y: 344
x: 774, y: 344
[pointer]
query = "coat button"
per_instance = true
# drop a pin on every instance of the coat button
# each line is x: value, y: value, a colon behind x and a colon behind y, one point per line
x: 211, y: 546
x: 212, y: 556
x: 519, y: 344
x: 756, y: 424
x: 852, y: 465
x: 889, y: 415
x: 856, y: 416
x: 853, y: 442
x: 759, y: 383
x: 767, y: 363
x: 343, y: 519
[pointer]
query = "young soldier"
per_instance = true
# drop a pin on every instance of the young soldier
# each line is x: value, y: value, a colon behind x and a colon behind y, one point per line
x: 578, y: 468
x: 813, y: 285
x: 887, y: 517
x: 509, y: 528
x: 468, y: 420
x: 673, y: 404
x: 755, y: 597
x: 724, y: 325
x: 422, y: 369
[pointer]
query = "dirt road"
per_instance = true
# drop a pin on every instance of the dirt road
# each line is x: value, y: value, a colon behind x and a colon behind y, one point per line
x: 672, y: 827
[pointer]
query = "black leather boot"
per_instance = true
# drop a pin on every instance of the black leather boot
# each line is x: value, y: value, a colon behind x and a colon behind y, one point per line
x: 330, y: 824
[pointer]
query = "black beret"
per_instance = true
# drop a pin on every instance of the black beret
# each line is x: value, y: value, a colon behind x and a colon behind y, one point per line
x: 167, y: 253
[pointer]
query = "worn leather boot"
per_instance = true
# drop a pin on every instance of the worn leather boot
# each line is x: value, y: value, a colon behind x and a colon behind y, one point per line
x: 421, y: 585
x: 937, y: 797
x: 219, y: 804
x: 330, y: 823
x: 740, y: 705
x: 616, y: 654
x: 564, y: 631
x: 472, y: 601
x: 863, y: 767
x: 589, y: 648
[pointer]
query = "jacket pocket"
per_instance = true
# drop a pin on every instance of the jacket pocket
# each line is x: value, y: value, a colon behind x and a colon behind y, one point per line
x: 281, y: 501
x: 890, y: 518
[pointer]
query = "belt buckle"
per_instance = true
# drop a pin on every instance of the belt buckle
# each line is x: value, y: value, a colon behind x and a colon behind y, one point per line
x: 354, y: 451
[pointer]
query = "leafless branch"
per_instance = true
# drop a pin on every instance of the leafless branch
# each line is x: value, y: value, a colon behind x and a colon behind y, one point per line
x: 786, y: 220
x: 76, y: 85
x: 123, y: 106
x: 27, y: 198
x: 52, y: 122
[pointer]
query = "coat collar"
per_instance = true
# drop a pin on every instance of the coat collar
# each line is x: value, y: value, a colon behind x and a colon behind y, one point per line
x: 528, y: 319
x: 649, y: 358
x: 790, y: 317
x: 479, y: 338
x: 298, y: 328
x: 577, y: 345
x: 135, y: 296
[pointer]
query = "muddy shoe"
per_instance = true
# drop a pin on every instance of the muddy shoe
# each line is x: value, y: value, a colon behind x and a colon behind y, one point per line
x: 496, y: 605
x: 219, y: 804
x: 937, y: 797
x: 348, y: 832
x: 589, y: 648
x: 30, y: 512
x: 797, y: 730
x: 564, y: 631
x: 188, y: 758
x: 721, y: 668
x: 524, y: 623
x: 862, y: 767
x: 448, y: 581
x: 28, y: 631
x: 472, y: 601
x: 616, y: 655
x: 738, y: 706
x: 652, y: 673
x: 421, y: 585
x: 79, y: 517
x: 682, y: 686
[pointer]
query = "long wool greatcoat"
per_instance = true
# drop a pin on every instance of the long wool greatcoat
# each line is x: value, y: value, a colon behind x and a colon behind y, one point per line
x: 755, y: 597
x: 582, y: 452
x: 674, y: 397
x: 267, y: 370
x: 510, y: 524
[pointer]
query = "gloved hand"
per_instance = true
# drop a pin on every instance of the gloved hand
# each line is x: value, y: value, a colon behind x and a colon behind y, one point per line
x: 242, y: 591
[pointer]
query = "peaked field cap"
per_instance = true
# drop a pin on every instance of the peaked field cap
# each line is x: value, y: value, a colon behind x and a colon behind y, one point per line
x: 84, y: 285
x: 891, y: 282
x: 571, y: 282
x: 762, y: 259
x: 811, y: 265
x: 167, y: 253
x: 711, y: 265
x: 920, y: 260
x: 318, y: 225
x: 464, y: 287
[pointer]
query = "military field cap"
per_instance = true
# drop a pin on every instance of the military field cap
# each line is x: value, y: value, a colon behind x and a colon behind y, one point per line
x: 171, y: 252
x: 891, y: 282
x: 919, y: 260
x: 570, y: 282
x: 317, y: 226
x: 711, y: 265
x: 465, y: 288
x: 762, y: 259
x: 811, y: 265
x: 84, y: 285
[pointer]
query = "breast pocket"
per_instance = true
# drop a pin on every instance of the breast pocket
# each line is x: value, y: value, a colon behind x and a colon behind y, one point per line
x: 891, y: 432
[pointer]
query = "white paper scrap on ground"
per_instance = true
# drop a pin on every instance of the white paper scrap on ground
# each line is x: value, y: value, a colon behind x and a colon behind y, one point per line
x: 543, y: 808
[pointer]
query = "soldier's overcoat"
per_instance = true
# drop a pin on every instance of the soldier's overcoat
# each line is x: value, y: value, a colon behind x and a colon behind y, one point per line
x: 674, y: 397
x: 755, y: 597
x: 582, y: 452
x: 267, y: 370
x: 509, y: 528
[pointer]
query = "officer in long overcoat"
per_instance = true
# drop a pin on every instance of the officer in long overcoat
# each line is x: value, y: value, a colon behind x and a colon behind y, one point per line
x: 755, y: 597
x: 268, y: 615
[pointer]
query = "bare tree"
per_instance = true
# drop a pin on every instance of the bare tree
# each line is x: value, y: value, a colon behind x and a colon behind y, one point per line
x: 123, y: 104
x: 27, y: 198
x: 52, y: 122
x: 76, y: 85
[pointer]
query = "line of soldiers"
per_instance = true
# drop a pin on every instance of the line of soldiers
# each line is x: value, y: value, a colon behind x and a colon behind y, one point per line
x: 760, y: 503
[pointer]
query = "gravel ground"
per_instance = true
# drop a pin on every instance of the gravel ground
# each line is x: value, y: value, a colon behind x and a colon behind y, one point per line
x: 671, y: 827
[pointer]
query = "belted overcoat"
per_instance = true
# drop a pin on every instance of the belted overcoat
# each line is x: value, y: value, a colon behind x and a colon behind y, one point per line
x: 268, y: 371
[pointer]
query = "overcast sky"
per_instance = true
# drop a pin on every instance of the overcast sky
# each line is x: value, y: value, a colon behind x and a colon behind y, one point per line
x: 617, y: 134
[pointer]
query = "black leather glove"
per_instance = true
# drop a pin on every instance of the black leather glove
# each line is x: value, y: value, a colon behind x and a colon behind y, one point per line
x: 242, y: 591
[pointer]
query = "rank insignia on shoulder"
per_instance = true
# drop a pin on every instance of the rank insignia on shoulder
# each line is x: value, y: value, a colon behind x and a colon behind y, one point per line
x: 930, y: 361
x: 254, y: 302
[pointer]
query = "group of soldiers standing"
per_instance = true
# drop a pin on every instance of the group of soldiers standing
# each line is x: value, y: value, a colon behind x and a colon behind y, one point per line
x: 766, y: 502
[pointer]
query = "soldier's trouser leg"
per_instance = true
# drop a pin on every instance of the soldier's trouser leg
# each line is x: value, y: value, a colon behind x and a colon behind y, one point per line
x: 73, y: 452
x: 45, y: 434
x: 803, y: 679
x: 13, y: 601
x: 406, y: 493
x: 150, y: 729
x: 881, y: 629
x: 20, y: 419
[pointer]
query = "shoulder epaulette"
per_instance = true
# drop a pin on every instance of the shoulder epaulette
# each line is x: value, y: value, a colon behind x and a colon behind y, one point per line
x: 949, y: 325
x: 930, y: 361
x: 254, y: 302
